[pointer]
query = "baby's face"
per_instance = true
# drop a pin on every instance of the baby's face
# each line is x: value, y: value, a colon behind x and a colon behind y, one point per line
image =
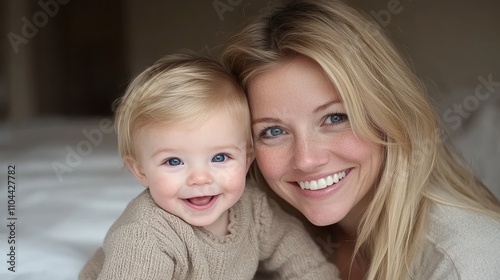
x: 194, y: 172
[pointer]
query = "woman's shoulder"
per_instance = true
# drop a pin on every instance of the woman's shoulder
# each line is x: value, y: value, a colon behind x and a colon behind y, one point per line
x: 448, y: 224
x: 461, y: 242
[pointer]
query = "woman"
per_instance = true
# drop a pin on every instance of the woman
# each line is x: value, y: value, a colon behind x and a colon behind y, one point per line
x: 344, y: 133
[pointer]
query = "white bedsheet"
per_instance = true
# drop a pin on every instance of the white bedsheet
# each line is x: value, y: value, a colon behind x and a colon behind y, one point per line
x: 62, y: 219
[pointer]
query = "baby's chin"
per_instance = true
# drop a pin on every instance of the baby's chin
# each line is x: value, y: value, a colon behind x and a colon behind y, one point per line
x: 216, y: 221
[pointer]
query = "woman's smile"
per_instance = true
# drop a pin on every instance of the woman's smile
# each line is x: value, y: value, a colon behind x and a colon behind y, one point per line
x: 324, y: 182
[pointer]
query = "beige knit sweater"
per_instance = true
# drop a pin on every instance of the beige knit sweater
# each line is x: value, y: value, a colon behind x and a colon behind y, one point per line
x: 459, y: 244
x: 148, y: 243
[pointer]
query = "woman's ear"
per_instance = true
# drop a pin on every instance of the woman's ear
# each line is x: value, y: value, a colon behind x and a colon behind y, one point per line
x: 136, y: 168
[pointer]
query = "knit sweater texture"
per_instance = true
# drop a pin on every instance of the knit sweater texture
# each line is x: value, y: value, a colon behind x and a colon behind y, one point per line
x: 459, y: 244
x: 147, y: 242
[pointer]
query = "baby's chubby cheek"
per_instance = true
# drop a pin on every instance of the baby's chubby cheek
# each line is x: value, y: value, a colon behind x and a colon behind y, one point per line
x: 231, y: 181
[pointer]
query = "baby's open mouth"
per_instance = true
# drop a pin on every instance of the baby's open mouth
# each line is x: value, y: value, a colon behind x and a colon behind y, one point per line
x: 201, y: 200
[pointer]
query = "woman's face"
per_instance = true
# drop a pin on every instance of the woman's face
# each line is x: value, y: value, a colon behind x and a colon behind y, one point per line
x: 304, y: 144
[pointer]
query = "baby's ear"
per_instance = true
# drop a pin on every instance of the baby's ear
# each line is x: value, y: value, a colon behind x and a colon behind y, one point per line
x: 250, y: 158
x: 136, y: 168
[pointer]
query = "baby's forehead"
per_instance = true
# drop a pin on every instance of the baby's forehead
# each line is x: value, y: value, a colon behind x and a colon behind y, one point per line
x: 222, y: 120
x: 210, y: 131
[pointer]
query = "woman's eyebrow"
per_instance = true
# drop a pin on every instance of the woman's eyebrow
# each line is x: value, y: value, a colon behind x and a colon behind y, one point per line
x: 275, y: 120
x: 326, y: 105
x: 265, y: 120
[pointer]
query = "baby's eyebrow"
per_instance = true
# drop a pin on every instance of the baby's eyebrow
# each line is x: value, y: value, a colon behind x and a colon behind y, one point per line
x: 163, y: 150
x: 225, y: 147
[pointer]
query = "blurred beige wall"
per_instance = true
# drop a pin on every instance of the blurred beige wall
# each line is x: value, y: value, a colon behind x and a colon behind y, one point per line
x: 18, y: 68
x: 156, y: 27
x: 452, y: 44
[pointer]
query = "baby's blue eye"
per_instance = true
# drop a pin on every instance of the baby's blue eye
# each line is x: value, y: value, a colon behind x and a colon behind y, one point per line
x: 272, y: 132
x: 174, y: 161
x: 219, y: 158
x: 336, y: 118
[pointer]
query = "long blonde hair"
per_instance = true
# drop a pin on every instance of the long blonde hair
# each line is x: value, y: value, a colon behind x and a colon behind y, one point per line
x: 386, y: 104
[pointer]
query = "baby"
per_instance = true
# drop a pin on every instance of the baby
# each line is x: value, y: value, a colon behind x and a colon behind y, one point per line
x: 183, y: 130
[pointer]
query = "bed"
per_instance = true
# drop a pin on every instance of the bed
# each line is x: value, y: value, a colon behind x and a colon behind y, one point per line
x: 70, y: 186
x: 68, y: 193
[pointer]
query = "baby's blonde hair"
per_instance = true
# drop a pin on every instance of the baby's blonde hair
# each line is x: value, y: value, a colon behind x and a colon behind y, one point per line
x: 182, y: 88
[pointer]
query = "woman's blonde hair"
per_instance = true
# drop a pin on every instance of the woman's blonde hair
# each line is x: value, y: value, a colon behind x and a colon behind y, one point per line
x: 182, y: 88
x: 386, y: 104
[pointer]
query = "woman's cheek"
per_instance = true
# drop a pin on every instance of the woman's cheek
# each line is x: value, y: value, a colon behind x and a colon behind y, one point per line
x: 271, y: 160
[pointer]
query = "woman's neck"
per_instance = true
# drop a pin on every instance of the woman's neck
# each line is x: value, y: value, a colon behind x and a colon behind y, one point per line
x: 352, y: 267
x: 350, y: 223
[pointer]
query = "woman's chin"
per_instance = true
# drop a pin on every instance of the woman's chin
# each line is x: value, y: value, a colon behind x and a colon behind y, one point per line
x: 321, y: 218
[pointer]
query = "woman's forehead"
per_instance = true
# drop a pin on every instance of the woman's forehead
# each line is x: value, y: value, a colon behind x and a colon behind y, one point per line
x: 299, y: 81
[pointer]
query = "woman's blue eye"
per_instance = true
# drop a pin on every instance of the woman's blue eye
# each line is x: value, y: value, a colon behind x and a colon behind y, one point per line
x: 219, y: 158
x: 174, y: 161
x: 272, y: 132
x: 336, y: 118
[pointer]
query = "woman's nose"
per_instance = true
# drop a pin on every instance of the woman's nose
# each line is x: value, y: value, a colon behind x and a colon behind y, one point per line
x: 308, y: 154
x: 199, y: 176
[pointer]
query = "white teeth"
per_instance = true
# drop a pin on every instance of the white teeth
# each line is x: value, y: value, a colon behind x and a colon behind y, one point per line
x: 329, y: 180
x: 323, y: 182
x: 313, y: 185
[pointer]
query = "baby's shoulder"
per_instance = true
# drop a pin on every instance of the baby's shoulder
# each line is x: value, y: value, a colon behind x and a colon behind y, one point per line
x: 143, y: 214
x: 139, y: 209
